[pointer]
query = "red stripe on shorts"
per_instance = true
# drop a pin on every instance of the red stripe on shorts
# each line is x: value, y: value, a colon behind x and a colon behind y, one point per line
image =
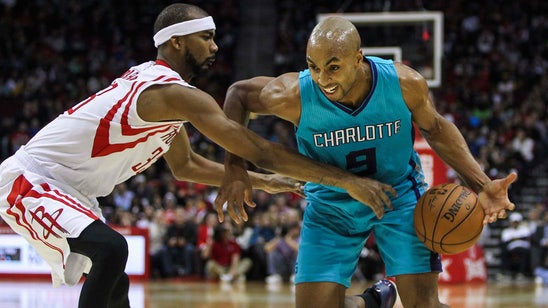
x: 22, y: 188
x: 56, y: 195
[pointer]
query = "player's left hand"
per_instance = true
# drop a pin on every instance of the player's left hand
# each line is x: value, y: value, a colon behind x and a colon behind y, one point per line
x: 235, y: 189
x: 494, y: 198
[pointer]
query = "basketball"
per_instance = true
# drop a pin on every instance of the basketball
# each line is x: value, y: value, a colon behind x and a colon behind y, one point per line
x: 448, y: 218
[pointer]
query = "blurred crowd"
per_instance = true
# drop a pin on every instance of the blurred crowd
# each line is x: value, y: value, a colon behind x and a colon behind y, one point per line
x: 56, y: 53
x: 524, y: 247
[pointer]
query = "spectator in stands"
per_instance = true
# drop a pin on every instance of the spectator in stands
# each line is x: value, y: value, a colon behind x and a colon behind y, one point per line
x: 242, y: 234
x: 169, y: 205
x: 205, y: 237
x: 539, y: 240
x: 145, y: 217
x: 123, y: 197
x: 524, y: 147
x: 142, y: 189
x: 516, y: 248
x: 281, y: 254
x: 263, y: 231
x: 535, y: 221
x: 224, y: 256
x: 206, y: 229
x: 19, y: 137
x: 125, y: 219
x: 290, y: 216
x: 180, y: 238
x: 159, y: 258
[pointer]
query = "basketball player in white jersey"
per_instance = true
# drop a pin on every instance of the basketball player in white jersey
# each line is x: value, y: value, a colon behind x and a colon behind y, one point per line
x: 48, y: 189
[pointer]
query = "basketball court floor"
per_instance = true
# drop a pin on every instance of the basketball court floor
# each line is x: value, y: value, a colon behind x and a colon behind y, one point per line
x: 253, y: 294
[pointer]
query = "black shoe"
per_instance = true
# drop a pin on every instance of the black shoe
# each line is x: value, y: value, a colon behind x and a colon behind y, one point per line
x: 384, y: 293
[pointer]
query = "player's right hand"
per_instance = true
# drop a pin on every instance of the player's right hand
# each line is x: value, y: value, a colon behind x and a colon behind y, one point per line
x: 235, y: 190
x: 372, y: 193
x: 494, y: 198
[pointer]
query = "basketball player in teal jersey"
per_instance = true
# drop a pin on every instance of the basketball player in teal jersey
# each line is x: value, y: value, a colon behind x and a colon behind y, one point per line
x: 357, y: 113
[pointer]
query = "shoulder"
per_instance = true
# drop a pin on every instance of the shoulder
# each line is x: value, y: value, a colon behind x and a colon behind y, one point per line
x: 283, y: 83
x: 177, y: 93
x: 283, y: 87
x: 413, y: 85
x: 172, y: 101
x: 407, y: 75
x: 279, y: 96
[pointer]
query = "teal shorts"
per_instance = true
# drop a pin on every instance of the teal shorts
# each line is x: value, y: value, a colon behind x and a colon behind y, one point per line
x: 333, y: 236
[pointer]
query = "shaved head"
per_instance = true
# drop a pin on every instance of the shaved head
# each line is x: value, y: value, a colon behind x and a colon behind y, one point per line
x: 335, y: 60
x: 335, y: 33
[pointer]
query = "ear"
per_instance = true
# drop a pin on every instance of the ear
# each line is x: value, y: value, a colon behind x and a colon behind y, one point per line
x: 176, y: 42
x: 359, y: 56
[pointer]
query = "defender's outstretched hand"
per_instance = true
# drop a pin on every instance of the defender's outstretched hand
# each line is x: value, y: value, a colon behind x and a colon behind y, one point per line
x: 372, y: 193
x: 235, y: 189
x: 494, y: 198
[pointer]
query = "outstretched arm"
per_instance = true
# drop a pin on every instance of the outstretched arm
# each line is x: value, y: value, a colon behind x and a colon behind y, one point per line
x: 191, y: 104
x: 447, y: 141
x: 187, y: 165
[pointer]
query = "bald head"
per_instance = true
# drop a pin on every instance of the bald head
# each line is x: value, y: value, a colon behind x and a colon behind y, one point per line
x: 335, y: 60
x: 335, y: 32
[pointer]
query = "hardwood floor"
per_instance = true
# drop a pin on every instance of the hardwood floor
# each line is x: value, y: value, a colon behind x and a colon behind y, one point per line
x: 253, y: 294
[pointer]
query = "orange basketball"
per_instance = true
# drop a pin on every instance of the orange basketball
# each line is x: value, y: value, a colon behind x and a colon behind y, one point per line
x: 448, y: 218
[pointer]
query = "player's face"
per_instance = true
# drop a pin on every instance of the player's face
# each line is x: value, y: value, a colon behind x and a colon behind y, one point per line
x: 200, y: 51
x: 334, y: 70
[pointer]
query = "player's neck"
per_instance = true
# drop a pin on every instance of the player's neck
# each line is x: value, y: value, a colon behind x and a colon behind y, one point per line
x: 361, y: 87
x: 172, y: 65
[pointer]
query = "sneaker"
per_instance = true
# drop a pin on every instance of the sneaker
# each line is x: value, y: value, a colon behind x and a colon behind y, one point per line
x: 384, y: 292
x: 274, y: 278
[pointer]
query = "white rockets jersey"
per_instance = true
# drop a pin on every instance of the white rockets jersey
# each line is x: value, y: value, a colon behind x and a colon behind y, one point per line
x: 102, y: 141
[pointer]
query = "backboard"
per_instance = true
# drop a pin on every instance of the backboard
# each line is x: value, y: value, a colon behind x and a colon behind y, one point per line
x: 414, y: 38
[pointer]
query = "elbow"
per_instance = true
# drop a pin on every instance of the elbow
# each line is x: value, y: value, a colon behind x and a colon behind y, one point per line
x: 235, y: 87
x: 183, y: 169
x: 179, y: 175
x: 433, y: 130
x: 234, y: 94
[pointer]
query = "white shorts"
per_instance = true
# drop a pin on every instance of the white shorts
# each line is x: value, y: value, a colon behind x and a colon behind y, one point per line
x: 46, y: 213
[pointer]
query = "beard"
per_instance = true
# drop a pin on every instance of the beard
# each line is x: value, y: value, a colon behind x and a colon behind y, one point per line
x: 196, y: 68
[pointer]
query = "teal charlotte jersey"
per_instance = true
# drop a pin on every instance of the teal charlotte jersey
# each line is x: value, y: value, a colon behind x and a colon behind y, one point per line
x: 374, y: 140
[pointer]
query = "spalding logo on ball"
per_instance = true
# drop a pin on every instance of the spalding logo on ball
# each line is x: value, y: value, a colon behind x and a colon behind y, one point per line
x: 448, y: 218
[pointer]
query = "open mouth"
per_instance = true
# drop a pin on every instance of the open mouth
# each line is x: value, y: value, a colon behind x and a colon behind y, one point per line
x: 330, y: 90
x: 210, y: 61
